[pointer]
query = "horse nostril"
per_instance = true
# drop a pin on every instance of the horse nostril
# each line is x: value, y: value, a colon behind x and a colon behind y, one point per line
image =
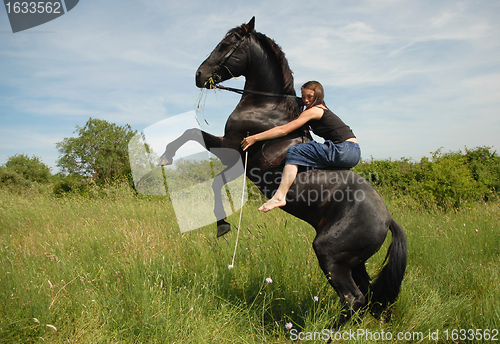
x: 198, y: 80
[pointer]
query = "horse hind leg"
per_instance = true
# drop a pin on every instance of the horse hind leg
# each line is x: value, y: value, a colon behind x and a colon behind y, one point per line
x: 351, y: 297
x: 362, y: 280
x: 340, y: 277
x: 345, y: 273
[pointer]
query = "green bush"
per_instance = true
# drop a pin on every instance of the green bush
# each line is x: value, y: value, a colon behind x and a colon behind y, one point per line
x: 484, y: 165
x: 87, y: 188
x: 72, y: 183
x: 445, y: 180
x: 32, y: 169
x: 9, y: 177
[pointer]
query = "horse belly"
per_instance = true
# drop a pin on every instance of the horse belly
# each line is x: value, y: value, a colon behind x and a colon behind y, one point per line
x: 343, y: 207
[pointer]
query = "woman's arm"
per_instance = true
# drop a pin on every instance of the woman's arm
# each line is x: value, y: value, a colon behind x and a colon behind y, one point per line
x: 283, y: 130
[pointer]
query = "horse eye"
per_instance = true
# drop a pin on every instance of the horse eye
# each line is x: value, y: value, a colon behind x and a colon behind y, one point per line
x: 223, y: 46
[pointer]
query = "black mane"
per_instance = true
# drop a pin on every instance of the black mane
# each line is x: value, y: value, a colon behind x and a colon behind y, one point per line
x: 271, y: 46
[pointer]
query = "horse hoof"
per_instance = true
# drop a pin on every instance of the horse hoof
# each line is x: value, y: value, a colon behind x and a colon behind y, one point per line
x: 165, y: 162
x: 222, y: 228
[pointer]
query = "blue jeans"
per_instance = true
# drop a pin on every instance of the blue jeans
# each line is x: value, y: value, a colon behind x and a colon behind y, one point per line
x: 324, y: 155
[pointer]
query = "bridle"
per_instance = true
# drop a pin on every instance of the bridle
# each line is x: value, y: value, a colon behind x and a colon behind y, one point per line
x: 222, y: 63
x: 217, y: 78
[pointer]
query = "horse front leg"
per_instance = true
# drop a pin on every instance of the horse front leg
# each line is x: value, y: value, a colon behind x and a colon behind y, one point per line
x: 208, y: 141
x: 228, y: 157
x: 234, y: 169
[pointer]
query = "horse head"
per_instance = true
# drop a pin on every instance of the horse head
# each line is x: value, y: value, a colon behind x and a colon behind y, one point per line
x: 228, y: 59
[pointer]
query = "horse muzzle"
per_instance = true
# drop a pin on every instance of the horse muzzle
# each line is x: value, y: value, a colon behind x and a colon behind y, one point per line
x: 207, y: 82
x: 202, y: 79
x: 207, y: 77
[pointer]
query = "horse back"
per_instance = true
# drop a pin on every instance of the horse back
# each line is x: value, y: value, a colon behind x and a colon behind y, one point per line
x: 323, y: 197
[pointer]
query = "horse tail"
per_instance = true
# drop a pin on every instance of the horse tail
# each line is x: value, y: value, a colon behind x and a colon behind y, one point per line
x: 387, y: 285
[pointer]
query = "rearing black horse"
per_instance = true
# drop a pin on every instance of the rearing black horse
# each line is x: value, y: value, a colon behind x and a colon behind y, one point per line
x: 349, y: 216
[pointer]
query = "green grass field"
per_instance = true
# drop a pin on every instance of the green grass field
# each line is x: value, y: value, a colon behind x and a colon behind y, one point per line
x: 116, y: 269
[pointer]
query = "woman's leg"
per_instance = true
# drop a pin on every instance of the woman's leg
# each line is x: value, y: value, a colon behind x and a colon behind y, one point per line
x: 279, y: 198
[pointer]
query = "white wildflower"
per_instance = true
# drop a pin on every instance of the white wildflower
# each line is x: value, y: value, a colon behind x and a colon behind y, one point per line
x: 52, y: 327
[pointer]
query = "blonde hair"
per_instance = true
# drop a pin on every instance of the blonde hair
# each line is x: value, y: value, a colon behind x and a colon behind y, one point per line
x: 319, y: 92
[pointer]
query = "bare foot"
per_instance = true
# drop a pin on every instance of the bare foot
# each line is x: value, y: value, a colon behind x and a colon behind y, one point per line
x: 272, y: 203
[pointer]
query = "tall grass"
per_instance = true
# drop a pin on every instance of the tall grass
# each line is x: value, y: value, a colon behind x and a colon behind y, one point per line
x: 116, y: 269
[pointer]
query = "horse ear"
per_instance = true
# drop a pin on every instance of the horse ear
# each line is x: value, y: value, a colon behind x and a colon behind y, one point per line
x: 251, y: 25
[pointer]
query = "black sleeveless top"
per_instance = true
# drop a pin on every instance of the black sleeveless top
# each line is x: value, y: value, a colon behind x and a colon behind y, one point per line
x: 330, y: 127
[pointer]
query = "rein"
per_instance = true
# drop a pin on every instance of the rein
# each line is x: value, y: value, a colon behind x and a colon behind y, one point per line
x: 240, y: 91
x: 230, y: 266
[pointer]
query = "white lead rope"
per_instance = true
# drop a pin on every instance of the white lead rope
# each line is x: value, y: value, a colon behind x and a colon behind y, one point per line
x: 241, y: 210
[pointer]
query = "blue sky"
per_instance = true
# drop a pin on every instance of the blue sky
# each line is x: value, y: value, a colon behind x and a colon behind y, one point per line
x: 409, y: 77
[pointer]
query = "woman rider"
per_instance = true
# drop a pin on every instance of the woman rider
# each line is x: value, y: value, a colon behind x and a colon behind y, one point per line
x: 340, y: 149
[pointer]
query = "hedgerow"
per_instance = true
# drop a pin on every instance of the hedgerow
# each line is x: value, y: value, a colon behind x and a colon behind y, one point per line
x: 446, y: 180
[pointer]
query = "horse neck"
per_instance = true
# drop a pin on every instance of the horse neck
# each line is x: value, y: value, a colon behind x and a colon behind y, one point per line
x: 263, y: 73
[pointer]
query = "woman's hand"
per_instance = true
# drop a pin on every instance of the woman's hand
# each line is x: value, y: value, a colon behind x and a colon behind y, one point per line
x: 248, y: 141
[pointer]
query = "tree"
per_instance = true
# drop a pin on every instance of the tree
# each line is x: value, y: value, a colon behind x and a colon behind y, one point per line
x: 32, y: 169
x: 99, y: 150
